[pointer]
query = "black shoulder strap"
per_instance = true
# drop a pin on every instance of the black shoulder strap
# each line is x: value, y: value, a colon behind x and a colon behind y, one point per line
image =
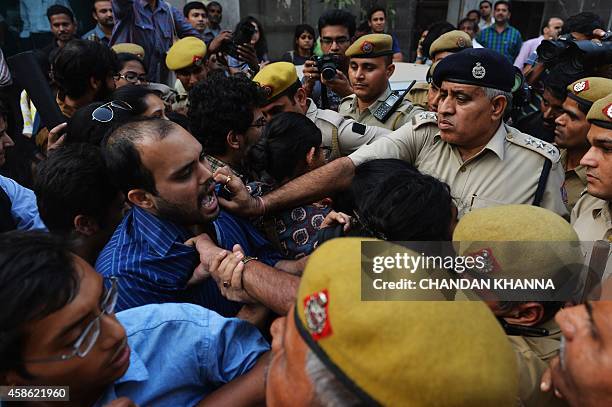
x: 539, y: 194
x: 6, y: 219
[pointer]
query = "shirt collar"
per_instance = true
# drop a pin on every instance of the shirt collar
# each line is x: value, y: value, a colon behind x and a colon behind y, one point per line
x: 580, y: 170
x: 159, y: 233
x: 312, y: 109
x: 496, y: 144
x: 136, y: 372
x: 602, y: 208
x: 160, y: 3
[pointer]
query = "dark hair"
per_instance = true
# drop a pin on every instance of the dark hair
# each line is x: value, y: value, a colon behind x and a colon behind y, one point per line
x: 507, y: 3
x: 82, y: 128
x: 38, y: 278
x: 338, y: 17
x: 261, y: 46
x: 557, y: 81
x: 467, y: 20
x: 583, y: 23
x: 123, y: 159
x: 284, y: 144
x: 80, y: 60
x: 124, y: 57
x: 472, y: 11
x: 73, y: 181
x: 134, y: 96
x: 485, y: 1
x: 220, y: 104
x: 193, y: 5
x: 375, y: 9
x: 401, y: 203
x: 214, y: 4
x: 434, y: 31
x: 299, y: 30
x: 59, y: 9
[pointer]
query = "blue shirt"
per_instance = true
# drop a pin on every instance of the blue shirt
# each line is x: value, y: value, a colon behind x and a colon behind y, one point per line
x: 23, y: 205
x: 153, y: 265
x: 153, y: 30
x: 508, y: 42
x: 180, y: 353
x: 96, y: 34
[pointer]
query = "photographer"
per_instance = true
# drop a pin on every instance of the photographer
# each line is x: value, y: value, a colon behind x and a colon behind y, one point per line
x: 336, y: 29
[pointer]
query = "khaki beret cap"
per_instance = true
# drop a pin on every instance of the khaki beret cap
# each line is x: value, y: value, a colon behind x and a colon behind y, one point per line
x: 452, y: 41
x: 371, y: 46
x: 600, y: 113
x: 129, y: 48
x: 587, y: 91
x: 275, y: 78
x: 186, y: 52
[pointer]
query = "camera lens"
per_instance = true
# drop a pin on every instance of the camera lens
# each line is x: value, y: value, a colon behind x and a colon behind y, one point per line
x: 328, y: 73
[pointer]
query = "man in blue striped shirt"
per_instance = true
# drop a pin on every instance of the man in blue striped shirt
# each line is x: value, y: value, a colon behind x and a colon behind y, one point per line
x: 164, y: 175
x: 501, y: 36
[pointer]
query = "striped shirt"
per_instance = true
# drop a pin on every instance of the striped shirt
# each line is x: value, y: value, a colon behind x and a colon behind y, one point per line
x: 153, y: 265
x: 508, y: 43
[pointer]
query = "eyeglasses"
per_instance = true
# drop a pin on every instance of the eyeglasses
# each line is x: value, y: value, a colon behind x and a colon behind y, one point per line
x: 88, y: 338
x: 132, y: 77
x: 105, y: 113
x: 261, y: 122
x: 340, y: 41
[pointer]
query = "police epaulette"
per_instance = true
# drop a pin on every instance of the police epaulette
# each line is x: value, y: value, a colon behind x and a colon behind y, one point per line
x: 424, y: 117
x: 541, y: 147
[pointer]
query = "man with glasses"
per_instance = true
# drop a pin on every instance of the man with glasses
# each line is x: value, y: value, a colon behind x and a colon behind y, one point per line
x: 285, y: 93
x: 60, y: 329
x: 187, y: 58
x: 336, y: 30
x: 226, y: 118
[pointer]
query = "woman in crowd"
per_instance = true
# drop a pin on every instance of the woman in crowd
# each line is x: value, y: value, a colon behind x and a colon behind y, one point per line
x: 303, y: 45
x: 289, y: 147
x: 143, y: 101
x: 132, y: 70
x: 258, y: 41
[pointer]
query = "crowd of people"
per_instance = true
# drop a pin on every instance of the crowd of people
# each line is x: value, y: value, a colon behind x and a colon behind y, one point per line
x: 182, y: 218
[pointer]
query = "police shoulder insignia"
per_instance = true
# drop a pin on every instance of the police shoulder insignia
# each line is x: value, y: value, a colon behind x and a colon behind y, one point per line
x: 422, y: 118
x: 316, y: 314
x: 541, y: 147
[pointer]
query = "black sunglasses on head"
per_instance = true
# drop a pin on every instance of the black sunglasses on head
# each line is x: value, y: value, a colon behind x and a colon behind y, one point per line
x: 105, y: 113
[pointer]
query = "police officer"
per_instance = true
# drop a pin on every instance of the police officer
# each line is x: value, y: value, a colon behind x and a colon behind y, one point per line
x: 591, y: 216
x: 187, y: 58
x: 373, y: 103
x: 529, y: 324
x: 467, y: 145
x: 425, y: 94
x: 285, y: 94
x: 129, y: 48
x: 571, y: 132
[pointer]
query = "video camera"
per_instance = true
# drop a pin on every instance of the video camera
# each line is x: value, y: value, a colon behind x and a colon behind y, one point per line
x: 327, y: 65
x: 574, y: 57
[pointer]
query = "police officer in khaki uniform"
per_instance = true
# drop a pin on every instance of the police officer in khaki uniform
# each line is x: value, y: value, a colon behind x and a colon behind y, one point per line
x: 374, y: 103
x: 529, y: 324
x: 187, y: 58
x: 484, y: 161
x: 591, y: 216
x: 571, y: 132
x: 423, y: 92
x: 285, y: 94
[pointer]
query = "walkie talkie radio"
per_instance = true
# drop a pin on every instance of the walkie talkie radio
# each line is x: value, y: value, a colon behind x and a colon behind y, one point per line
x: 390, y: 105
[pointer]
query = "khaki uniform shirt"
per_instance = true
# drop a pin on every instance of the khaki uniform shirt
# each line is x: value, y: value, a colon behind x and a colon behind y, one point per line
x: 592, y: 220
x: 533, y: 355
x: 343, y: 135
x: 506, y: 171
x: 404, y: 113
x: 575, y: 182
x: 418, y: 95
